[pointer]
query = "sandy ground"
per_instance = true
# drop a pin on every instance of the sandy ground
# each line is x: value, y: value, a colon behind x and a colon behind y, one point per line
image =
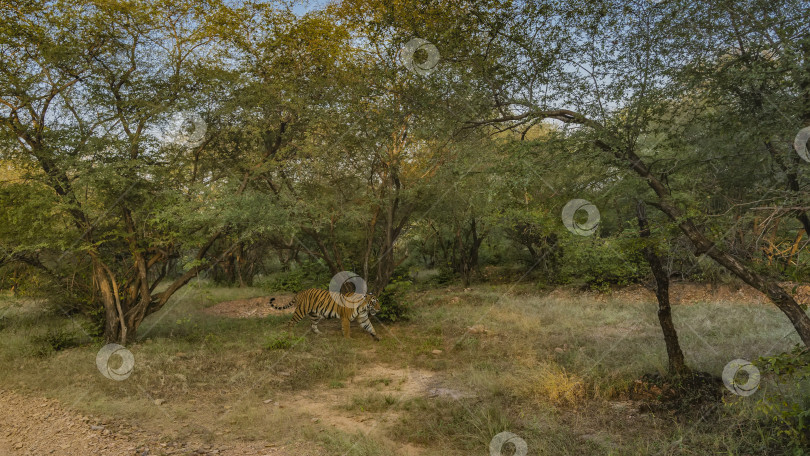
x: 252, y: 307
x: 37, y: 426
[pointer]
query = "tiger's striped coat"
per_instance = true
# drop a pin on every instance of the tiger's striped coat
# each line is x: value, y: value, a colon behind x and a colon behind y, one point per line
x: 318, y: 304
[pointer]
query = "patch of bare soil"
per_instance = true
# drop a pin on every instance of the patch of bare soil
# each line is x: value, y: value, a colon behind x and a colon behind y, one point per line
x: 251, y: 308
x: 692, y: 293
x: 37, y: 426
x: 332, y: 406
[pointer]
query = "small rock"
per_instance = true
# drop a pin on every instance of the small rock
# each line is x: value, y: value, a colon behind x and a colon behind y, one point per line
x: 159, y: 401
x: 267, y: 401
x: 96, y: 428
x: 559, y: 350
x: 316, y: 420
x: 437, y: 352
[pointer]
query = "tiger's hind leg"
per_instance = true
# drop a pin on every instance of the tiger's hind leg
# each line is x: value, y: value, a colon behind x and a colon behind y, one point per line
x: 297, y: 316
x: 315, y: 318
x: 345, y: 325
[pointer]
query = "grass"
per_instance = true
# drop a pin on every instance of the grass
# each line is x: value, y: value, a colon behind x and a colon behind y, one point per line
x: 557, y: 371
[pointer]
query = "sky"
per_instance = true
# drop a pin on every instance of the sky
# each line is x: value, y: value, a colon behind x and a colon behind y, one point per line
x: 303, y: 6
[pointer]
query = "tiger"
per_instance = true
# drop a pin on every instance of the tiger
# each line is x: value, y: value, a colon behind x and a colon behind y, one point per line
x: 319, y: 304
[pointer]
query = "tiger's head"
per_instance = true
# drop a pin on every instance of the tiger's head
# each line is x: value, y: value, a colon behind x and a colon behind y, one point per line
x: 373, y: 303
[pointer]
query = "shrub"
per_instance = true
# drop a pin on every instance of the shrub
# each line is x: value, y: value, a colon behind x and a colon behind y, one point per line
x: 308, y: 274
x: 789, y: 413
x: 446, y: 275
x: 394, y: 305
x: 600, y: 263
x: 53, y: 340
x: 289, y: 281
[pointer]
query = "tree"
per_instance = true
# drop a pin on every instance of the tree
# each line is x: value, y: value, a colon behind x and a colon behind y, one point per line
x: 675, y: 358
x: 608, y: 70
x: 87, y: 95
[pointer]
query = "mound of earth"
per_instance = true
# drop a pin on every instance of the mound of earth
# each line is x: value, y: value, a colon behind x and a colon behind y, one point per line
x: 251, y: 308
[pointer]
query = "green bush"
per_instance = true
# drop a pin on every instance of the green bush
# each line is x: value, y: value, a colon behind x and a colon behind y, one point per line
x: 598, y: 263
x: 53, y: 340
x: 789, y: 413
x: 445, y: 276
x: 289, y: 281
x: 307, y: 275
x: 394, y: 305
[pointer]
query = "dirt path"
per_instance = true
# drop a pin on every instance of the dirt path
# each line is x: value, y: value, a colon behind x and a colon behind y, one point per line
x: 331, y: 407
x: 38, y: 426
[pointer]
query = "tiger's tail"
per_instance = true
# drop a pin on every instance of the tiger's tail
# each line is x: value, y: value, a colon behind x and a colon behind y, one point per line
x: 290, y: 304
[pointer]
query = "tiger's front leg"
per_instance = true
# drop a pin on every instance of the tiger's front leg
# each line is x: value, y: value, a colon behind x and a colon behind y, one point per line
x: 366, y: 324
x: 345, y: 324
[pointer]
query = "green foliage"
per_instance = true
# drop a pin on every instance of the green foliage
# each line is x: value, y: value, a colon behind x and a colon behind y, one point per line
x: 281, y: 341
x: 790, y: 413
x: 53, y: 340
x: 308, y: 274
x: 94, y: 327
x: 599, y: 263
x: 289, y: 281
x: 394, y: 303
x: 445, y: 276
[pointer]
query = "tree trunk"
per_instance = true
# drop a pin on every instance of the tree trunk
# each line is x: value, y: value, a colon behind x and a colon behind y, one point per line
x: 676, y: 363
x: 782, y: 300
x: 469, y: 244
x: 127, y: 304
x: 115, y: 329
